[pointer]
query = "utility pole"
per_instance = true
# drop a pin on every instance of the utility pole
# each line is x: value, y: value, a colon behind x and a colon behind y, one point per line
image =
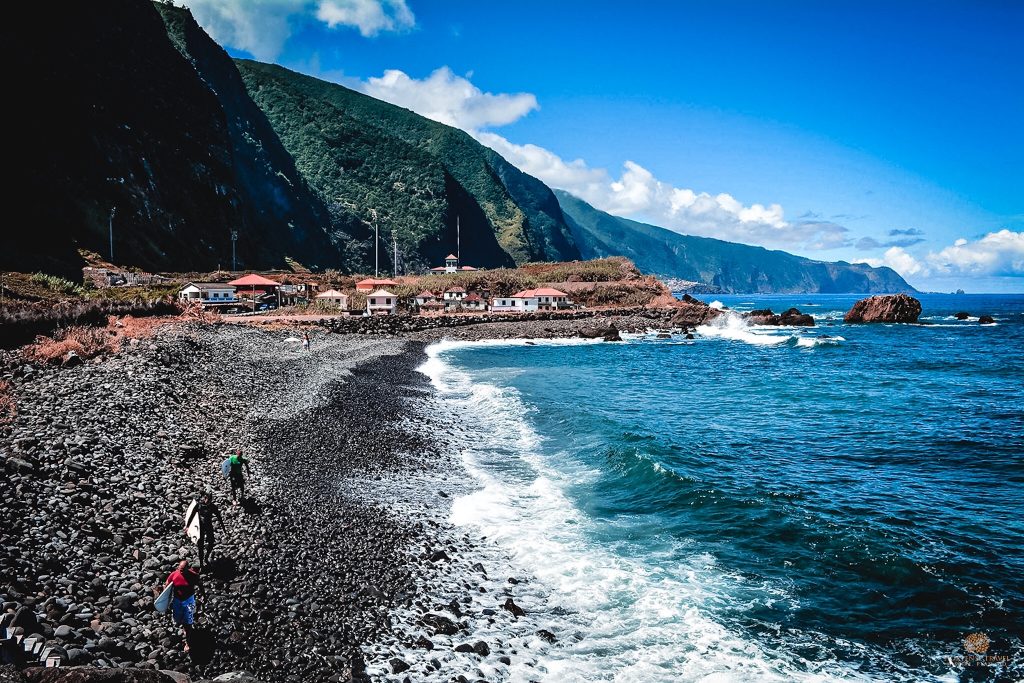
x: 376, y: 242
x: 458, y: 239
x: 394, y: 243
x: 110, y: 228
x: 234, y: 238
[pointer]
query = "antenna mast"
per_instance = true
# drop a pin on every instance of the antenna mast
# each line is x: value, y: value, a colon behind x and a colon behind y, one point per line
x: 458, y: 239
x: 394, y: 243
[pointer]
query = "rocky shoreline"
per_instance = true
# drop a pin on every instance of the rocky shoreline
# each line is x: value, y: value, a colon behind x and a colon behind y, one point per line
x: 103, y: 457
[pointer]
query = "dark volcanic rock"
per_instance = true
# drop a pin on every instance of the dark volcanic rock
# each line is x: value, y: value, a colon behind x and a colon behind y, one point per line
x: 791, y: 317
x: 887, y: 308
x: 963, y: 315
x: 515, y: 609
x: 986, y: 320
x: 691, y: 312
x: 88, y: 674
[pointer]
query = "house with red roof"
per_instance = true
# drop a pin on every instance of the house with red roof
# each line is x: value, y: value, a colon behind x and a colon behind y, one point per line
x: 540, y: 299
x: 451, y: 265
x: 371, y: 283
x: 425, y: 297
x: 454, y: 294
x: 474, y: 302
x: 381, y: 302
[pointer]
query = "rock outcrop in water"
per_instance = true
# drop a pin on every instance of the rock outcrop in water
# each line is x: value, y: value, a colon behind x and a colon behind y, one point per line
x: 691, y: 312
x: 889, y: 308
x: 986, y: 320
x: 791, y: 317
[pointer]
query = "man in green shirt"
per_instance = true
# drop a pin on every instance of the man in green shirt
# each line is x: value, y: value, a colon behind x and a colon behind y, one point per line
x: 237, y: 461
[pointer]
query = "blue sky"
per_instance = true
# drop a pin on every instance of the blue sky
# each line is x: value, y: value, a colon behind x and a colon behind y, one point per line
x: 881, y: 132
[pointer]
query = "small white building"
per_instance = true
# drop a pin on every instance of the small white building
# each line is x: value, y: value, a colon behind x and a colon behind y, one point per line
x: 451, y: 265
x: 529, y: 300
x: 208, y: 293
x: 425, y: 297
x: 332, y: 298
x: 454, y: 294
x: 474, y: 302
x: 381, y: 302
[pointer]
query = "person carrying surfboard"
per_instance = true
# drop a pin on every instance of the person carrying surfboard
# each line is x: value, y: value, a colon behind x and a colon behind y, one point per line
x: 235, y: 463
x: 183, y: 601
x: 206, y: 511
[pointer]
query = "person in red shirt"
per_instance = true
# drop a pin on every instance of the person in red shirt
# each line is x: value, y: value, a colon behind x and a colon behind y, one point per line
x: 183, y: 602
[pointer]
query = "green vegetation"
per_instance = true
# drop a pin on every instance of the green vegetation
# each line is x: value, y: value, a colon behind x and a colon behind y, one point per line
x: 418, y: 175
x: 58, y: 285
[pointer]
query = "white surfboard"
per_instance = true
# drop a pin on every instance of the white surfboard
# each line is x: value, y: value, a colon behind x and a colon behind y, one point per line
x: 163, y: 601
x: 192, y: 521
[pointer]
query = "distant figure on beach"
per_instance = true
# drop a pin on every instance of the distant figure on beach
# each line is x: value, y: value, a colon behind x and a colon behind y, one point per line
x: 305, y: 341
x: 183, y: 603
x: 207, y: 511
x: 236, y: 462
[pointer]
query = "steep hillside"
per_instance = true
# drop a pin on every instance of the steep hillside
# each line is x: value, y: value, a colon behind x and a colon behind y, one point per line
x: 729, y: 266
x: 118, y: 119
x: 419, y: 175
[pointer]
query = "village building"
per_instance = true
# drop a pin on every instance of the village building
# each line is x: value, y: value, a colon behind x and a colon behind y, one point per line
x: 451, y: 265
x: 102, y: 278
x: 332, y: 298
x: 370, y: 284
x: 257, y: 290
x: 454, y: 294
x: 425, y: 297
x: 434, y: 306
x: 290, y: 294
x: 381, y: 302
x: 208, y: 293
x: 528, y: 300
x: 474, y: 302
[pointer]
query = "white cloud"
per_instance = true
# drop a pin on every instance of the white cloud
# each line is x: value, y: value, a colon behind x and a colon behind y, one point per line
x: 637, y: 192
x: 261, y: 27
x: 369, y: 16
x: 996, y: 254
x: 454, y: 100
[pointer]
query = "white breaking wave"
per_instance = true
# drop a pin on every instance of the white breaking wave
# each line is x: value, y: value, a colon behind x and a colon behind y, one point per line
x: 811, y: 342
x: 717, y: 304
x: 733, y: 327
x: 617, y: 618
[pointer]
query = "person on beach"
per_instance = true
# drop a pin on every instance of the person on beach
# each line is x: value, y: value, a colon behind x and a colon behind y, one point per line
x: 183, y: 601
x: 207, y: 511
x: 237, y: 461
x: 305, y: 341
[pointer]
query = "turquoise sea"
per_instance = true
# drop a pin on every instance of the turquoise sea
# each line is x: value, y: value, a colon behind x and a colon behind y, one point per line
x: 832, y: 503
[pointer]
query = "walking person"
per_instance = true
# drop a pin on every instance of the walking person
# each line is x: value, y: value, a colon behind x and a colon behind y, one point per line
x: 305, y: 341
x: 235, y: 463
x: 207, y: 511
x: 185, y: 580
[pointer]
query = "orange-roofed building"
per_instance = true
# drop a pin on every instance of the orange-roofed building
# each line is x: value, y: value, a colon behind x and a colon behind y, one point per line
x: 371, y: 283
x: 257, y: 282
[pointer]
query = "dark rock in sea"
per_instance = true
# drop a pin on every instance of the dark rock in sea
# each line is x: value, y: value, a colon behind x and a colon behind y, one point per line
x: 986, y: 320
x: 515, y: 609
x: 398, y: 665
x: 690, y: 312
x: 441, y: 624
x: 547, y: 635
x: 481, y: 648
x: 963, y: 315
x: 464, y: 647
x: 791, y: 317
x: 887, y: 308
x: 424, y: 643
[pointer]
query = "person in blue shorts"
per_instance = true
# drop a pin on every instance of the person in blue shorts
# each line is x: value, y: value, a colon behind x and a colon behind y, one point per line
x: 183, y: 602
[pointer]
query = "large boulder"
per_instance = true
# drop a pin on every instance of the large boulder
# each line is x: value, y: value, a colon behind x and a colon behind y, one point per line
x: 791, y: 317
x: 87, y: 674
x: 887, y: 308
x: 691, y: 312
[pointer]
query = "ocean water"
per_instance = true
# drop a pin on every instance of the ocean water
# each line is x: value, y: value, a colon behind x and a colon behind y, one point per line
x: 758, y: 504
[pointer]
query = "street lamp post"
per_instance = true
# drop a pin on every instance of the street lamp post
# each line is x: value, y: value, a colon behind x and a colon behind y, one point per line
x: 234, y: 238
x: 376, y: 244
x: 110, y: 229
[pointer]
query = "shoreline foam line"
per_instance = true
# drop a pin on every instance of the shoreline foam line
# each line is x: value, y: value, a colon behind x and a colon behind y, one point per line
x: 616, y: 616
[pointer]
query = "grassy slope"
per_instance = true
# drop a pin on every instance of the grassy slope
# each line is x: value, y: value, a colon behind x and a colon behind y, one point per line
x: 418, y: 173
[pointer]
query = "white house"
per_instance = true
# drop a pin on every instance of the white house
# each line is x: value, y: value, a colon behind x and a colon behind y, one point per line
x: 332, y: 298
x: 474, y: 302
x: 381, y: 302
x: 451, y: 265
x: 208, y: 293
x: 528, y: 300
x: 548, y: 298
x: 425, y: 297
x: 454, y: 294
